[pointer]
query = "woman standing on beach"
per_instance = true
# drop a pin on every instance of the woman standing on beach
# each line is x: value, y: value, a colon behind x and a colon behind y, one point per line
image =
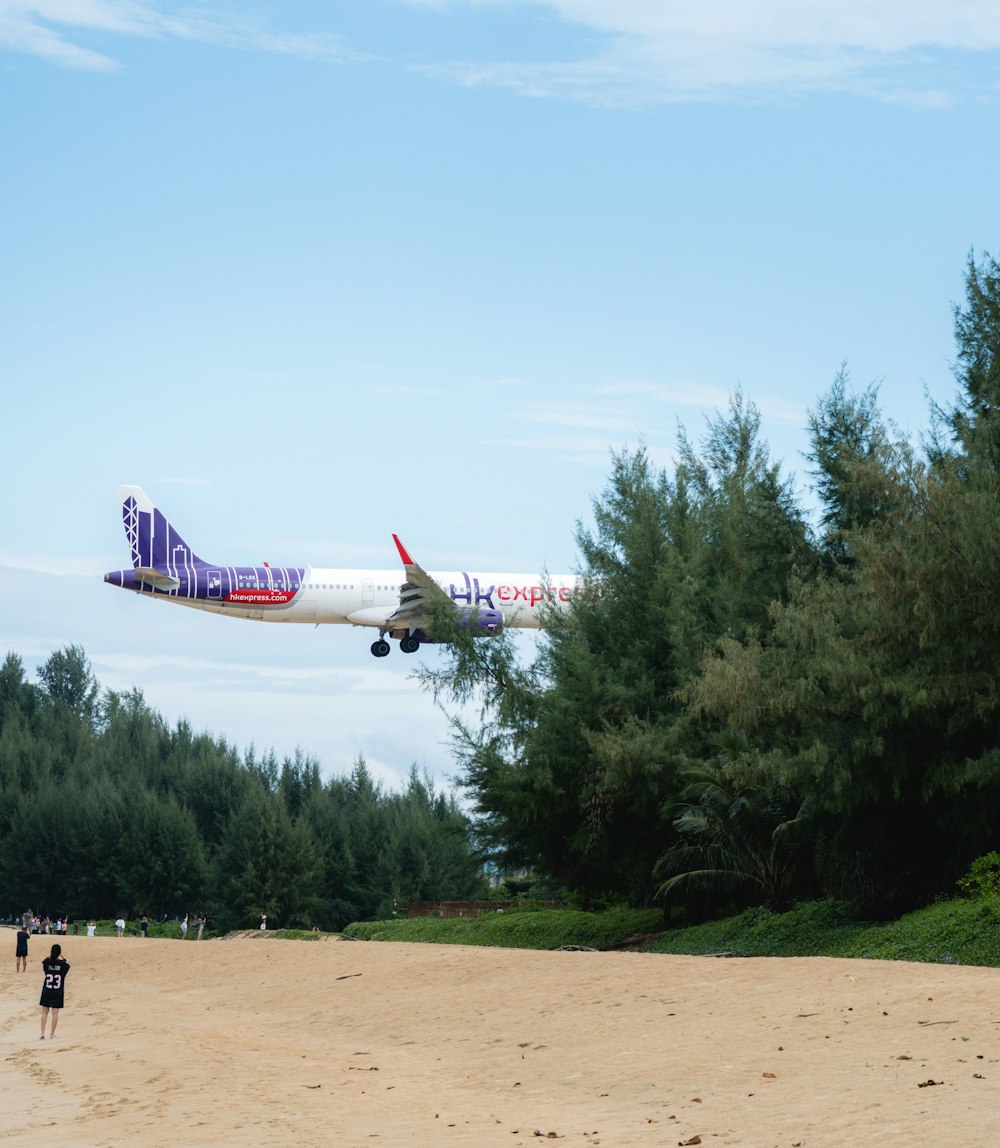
x: 56, y: 968
x: 21, y: 951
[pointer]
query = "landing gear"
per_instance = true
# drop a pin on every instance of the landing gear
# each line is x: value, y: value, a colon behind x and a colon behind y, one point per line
x: 408, y: 644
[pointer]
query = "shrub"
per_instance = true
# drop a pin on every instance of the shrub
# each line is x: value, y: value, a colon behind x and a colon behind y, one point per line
x: 983, y: 876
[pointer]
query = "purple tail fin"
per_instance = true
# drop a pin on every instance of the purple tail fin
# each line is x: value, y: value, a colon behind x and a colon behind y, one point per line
x: 154, y: 542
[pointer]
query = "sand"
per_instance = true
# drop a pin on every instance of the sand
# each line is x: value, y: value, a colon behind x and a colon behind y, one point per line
x: 258, y: 1040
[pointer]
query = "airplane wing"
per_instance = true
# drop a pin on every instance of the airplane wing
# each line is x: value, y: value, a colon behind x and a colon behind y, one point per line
x: 418, y: 596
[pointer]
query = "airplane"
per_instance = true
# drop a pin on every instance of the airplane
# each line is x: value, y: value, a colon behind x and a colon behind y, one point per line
x: 400, y: 605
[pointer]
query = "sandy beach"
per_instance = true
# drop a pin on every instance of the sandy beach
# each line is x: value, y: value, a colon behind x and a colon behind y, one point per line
x: 257, y: 1040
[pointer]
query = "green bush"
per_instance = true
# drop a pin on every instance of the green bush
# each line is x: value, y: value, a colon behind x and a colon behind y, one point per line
x: 962, y: 931
x: 950, y: 932
x: 983, y: 876
x: 528, y: 928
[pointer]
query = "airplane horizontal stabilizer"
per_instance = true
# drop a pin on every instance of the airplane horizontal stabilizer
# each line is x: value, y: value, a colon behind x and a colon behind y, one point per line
x: 156, y: 578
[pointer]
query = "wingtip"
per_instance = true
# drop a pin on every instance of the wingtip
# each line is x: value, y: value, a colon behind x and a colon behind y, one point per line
x: 404, y: 556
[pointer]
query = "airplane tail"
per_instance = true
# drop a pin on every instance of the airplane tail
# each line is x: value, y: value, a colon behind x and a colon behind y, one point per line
x: 154, y: 542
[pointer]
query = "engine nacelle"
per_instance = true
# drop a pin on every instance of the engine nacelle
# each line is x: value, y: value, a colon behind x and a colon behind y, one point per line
x: 482, y: 621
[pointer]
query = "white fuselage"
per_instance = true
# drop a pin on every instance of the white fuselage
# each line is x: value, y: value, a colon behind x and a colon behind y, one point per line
x: 318, y: 595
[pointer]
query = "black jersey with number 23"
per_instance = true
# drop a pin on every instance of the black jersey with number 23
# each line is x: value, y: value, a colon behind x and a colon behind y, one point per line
x: 55, y: 982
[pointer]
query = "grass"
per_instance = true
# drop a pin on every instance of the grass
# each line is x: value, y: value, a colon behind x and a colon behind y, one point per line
x: 517, y: 929
x: 963, y: 931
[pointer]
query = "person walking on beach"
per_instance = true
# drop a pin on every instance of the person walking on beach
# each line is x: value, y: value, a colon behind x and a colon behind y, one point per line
x: 21, y: 952
x: 144, y: 925
x: 184, y: 928
x: 56, y: 967
x: 201, y: 927
x: 120, y: 927
x: 263, y: 922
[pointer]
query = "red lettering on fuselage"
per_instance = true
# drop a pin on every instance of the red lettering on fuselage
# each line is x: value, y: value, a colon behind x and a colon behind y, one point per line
x: 532, y: 595
x: 260, y: 597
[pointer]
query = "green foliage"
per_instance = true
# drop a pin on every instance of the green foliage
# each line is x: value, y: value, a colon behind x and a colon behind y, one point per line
x: 737, y: 828
x: 983, y: 877
x: 963, y: 931
x: 572, y: 757
x: 124, y: 814
x: 860, y: 665
x: 514, y: 929
x: 954, y: 932
x: 848, y: 445
x: 815, y: 928
x: 951, y: 932
x: 974, y: 418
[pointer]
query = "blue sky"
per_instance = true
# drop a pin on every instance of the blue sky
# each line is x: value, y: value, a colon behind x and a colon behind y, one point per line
x: 315, y: 272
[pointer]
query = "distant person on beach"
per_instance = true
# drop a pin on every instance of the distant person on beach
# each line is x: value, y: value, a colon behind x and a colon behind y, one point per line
x: 21, y: 952
x: 91, y: 928
x: 184, y: 928
x: 56, y: 967
x: 144, y: 925
x: 120, y: 927
x: 201, y: 927
x: 263, y: 922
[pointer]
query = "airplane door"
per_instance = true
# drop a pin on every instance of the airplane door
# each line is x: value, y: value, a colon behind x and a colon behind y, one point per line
x: 215, y: 583
x: 367, y: 591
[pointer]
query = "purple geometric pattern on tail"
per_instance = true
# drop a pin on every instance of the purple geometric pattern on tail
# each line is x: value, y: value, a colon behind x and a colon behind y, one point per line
x: 153, y: 541
x: 130, y: 516
x: 168, y: 548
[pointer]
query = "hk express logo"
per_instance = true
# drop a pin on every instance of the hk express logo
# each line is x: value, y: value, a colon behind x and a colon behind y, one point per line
x: 474, y: 595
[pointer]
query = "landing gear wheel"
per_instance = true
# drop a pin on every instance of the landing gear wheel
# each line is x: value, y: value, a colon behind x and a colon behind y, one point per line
x: 409, y: 645
x: 380, y: 648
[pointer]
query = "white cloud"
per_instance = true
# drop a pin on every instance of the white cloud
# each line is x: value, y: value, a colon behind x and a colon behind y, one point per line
x: 878, y: 25
x: 51, y: 564
x: 50, y: 28
x: 658, y: 51
x: 649, y: 51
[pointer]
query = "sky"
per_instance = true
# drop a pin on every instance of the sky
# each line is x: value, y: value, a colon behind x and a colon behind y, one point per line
x: 317, y: 271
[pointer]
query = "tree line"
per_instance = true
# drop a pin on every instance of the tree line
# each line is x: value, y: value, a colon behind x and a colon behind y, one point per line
x: 772, y: 692
x: 105, y: 808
